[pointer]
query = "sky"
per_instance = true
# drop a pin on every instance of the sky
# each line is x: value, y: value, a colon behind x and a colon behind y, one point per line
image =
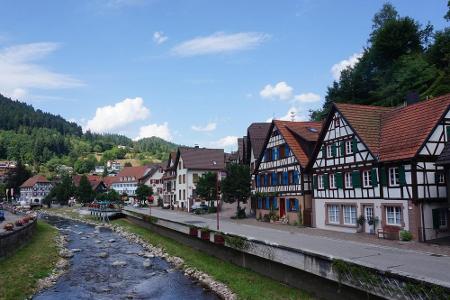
x: 192, y: 72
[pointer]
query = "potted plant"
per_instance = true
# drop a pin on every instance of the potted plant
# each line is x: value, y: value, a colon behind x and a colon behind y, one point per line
x: 19, y: 223
x: 373, y: 222
x: 361, y: 221
x: 205, y: 234
x: 219, y: 238
x: 193, y: 231
x: 8, y: 227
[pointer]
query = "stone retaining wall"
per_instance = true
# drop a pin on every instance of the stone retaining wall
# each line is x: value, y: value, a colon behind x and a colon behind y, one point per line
x: 10, y: 241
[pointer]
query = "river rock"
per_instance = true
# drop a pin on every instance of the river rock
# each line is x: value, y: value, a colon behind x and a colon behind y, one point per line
x: 83, y: 238
x: 147, y: 263
x: 119, y: 263
x: 103, y: 254
x: 112, y: 240
x: 98, y: 241
x: 148, y: 255
x: 75, y: 250
x: 66, y: 253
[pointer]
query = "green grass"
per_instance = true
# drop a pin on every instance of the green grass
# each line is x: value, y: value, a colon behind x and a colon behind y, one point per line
x: 245, y: 283
x: 20, y: 272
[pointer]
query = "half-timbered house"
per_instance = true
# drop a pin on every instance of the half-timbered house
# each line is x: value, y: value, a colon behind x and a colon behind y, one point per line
x: 282, y: 185
x: 374, y: 169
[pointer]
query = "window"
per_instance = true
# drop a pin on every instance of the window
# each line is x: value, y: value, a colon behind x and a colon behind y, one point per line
x: 184, y: 178
x: 179, y: 179
x: 394, y: 177
x: 367, y: 179
x: 179, y: 197
x: 332, y: 181
x: 184, y: 194
x: 195, y: 177
x: 440, y: 178
x: 333, y: 214
x: 329, y: 151
x: 348, y: 147
x: 393, y: 214
x: 442, y: 218
x: 293, y: 205
x: 348, y: 180
x: 320, y: 182
x: 338, y: 150
x: 349, y: 214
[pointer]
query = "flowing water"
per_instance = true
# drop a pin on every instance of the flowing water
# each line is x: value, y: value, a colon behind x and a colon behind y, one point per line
x: 93, y: 277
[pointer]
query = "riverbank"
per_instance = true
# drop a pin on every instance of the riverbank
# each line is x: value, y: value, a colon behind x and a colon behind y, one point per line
x: 21, y: 272
x: 245, y: 283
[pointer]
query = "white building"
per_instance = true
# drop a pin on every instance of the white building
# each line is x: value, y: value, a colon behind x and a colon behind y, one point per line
x: 34, y: 190
x: 154, y: 179
x: 190, y: 164
x: 170, y: 182
x: 127, y: 180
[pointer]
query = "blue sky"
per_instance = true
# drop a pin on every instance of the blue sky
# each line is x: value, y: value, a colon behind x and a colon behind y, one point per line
x: 194, y: 72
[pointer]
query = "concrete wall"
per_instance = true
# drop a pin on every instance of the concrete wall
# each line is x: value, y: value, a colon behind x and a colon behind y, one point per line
x: 261, y: 260
x: 12, y: 240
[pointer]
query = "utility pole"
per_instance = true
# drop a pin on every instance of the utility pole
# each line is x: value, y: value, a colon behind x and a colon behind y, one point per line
x: 217, y: 197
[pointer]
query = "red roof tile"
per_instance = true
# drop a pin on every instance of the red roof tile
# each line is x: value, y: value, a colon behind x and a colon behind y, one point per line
x: 293, y: 131
x: 30, y: 182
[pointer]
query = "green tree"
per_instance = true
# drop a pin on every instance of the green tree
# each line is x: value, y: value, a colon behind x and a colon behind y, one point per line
x: 62, y: 191
x: 84, y: 190
x: 143, y: 192
x: 447, y: 15
x: 17, y: 176
x: 206, y: 187
x: 236, y: 187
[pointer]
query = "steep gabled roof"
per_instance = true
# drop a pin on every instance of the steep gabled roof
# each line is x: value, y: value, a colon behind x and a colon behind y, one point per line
x: 366, y: 121
x: 136, y: 172
x: 257, y: 133
x: 406, y: 129
x: 201, y: 158
x: 30, y: 182
x: 293, y: 134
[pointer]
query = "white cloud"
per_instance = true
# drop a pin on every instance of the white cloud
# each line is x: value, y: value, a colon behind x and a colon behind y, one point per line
x: 281, y: 90
x: 159, y: 37
x: 227, y: 142
x: 307, y: 98
x: 19, y: 72
x: 161, y: 131
x: 343, y: 64
x: 118, y: 115
x: 220, y: 43
x: 207, y: 128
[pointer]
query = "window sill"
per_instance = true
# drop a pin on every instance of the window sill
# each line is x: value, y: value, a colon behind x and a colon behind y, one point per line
x: 341, y: 225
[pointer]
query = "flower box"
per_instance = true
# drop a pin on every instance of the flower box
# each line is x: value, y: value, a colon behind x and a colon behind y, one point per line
x: 9, y: 227
x: 19, y: 223
x: 193, y: 231
x: 219, y: 239
x: 205, y: 235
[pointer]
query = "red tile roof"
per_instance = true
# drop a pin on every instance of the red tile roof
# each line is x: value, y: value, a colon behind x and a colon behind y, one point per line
x: 395, y: 133
x: 94, y: 180
x: 137, y: 172
x: 30, y: 182
x: 293, y: 131
x: 202, y: 158
x: 108, y: 180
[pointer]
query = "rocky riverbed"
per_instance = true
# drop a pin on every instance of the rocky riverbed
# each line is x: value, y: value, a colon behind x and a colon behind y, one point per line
x: 105, y: 264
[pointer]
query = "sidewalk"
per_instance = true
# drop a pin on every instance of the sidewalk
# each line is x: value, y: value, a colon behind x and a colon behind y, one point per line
x: 418, y: 264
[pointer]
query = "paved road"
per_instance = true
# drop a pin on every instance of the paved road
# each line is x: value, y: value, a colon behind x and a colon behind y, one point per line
x: 421, y: 265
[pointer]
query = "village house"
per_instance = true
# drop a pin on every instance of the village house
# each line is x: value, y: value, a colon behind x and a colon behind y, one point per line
x: 154, y: 179
x: 34, y: 190
x: 96, y: 182
x: 128, y: 179
x: 170, y: 182
x: 383, y: 170
x: 190, y: 164
x: 282, y: 184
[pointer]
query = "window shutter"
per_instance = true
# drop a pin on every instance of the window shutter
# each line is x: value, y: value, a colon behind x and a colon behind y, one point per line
x: 275, y: 203
x: 325, y: 181
x: 354, y: 145
x: 401, y: 175
x: 315, y: 182
x: 296, y: 177
x: 267, y: 202
x: 342, y: 148
x: 259, y: 203
x: 266, y: 179
x: 373, y: 177
x: 257, y: 180
x: 383, y: 178
x: 285, y: 178
x: 333, y: 149
x: 339, y: 180
x: 447, y: 128
x: 288, y: 204
x: 274, y: 178
x: 296, y: 204
x: 324, y: 152
x: 356, y: 179
x: 286, y: 150
x: 436, y: 214
x: 266, y: 155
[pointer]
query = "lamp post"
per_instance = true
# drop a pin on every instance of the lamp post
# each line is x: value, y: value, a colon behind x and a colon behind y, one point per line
x: 217, y: 197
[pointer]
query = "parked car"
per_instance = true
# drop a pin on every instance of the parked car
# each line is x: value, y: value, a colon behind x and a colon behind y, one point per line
x: 199, y: 208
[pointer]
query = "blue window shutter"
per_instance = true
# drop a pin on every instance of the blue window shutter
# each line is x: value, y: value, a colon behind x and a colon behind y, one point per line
x: 274, y: 178
x: 257, y: 180
x: 296, y: 177
x: 286, y: 150
x: 288, y: 205
x: 296, y: 204
x: 275, y: 203
x: 267, y: 202
x: 285, y: 178
x: 259, y: 203
x: 265, y: 179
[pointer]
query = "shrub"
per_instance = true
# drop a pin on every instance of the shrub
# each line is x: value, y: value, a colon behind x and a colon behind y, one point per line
x: 266, y: 218
x: 240, y: 214
x: 405, y: 235
x: 212, y: 209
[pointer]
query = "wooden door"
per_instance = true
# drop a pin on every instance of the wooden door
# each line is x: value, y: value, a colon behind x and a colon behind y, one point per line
x: 282, y: 207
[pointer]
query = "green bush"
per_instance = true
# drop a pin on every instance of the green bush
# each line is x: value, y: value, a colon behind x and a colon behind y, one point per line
x: 240, y: 214
x: 405, y: 235
x: 266, y: 218
x: 212, y: 209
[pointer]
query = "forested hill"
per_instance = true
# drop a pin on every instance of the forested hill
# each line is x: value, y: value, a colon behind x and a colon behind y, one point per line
x: 156, y: 146
x: 402, y: 59
x: 15, y: 114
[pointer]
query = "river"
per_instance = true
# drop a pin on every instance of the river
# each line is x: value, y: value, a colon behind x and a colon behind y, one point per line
x: 123, y: 274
